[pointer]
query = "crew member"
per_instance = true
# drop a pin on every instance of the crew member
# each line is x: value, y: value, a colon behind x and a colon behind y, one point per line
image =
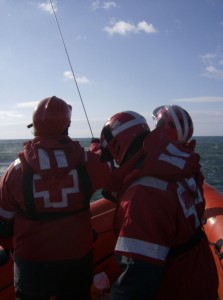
x: 161, y: 247
x: 44, y: 205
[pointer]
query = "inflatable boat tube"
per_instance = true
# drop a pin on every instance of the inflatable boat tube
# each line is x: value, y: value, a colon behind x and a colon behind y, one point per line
x: 213, y: 219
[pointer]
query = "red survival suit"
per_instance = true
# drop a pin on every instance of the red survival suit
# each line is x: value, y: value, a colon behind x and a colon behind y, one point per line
x: 44, y: 204
x: 161, y: 246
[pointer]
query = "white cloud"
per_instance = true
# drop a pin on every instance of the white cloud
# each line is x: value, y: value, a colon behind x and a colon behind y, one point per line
x: 208, y: 58
x: 10, y: 117
x: 97, y: 4
x: 213, y: 72
x: 213, y: 63
x: 109, y: 4
x: 81, y: 38
x: 124, y: 28
x: 31, y: 104
x: 144, y: 26
x: 206, y: 99
x: 68, y: 75
x: 120, y: 27
x: 80, y: 79
x: 46, y: 6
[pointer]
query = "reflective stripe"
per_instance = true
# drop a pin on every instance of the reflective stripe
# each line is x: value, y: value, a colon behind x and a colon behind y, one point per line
x: 173, y: 160
x: 176, y: 161
x: 182, y: 129
x: 17, y: 163
x: 44, y: 160
x: 192, y: 184
x: 188, y: 210
x: 42, y: 194
x: 176, y: 122
x: 175, y: 151
x: 85, y: 155
x: 6, y: 214
x: 151, y: 182
x: 186, y: 125
x: 120, y: 128
x: 61, y: 158
x: 64, y: 191
x: 127, y: 125
x: 147, y: 249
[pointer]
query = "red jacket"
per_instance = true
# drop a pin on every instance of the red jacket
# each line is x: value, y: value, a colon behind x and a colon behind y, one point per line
x: 46, y: 172
x: 159, y: 211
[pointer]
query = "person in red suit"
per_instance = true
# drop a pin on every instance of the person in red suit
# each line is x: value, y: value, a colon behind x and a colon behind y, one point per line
x: 44, y: 208
x: 161, y: 246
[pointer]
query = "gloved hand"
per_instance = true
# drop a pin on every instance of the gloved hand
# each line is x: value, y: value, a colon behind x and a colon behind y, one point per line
x: 95, y: 146
x: 95, y: 140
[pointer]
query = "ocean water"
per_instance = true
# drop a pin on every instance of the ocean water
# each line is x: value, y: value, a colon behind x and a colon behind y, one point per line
x: 209, y: 148
x: 211, y: 153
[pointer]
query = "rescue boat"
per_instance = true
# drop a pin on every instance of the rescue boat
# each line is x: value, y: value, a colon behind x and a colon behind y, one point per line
x: 213, y: 227
x: 102, y: 212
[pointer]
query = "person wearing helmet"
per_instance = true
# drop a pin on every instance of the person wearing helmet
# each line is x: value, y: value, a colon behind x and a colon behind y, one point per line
x: 161, y: 247
x: 44, y: 206
x: 176, y: 123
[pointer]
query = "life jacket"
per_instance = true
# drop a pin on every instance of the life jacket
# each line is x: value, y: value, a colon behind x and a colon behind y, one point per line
x: 31, y: 212
x: 165, y: 161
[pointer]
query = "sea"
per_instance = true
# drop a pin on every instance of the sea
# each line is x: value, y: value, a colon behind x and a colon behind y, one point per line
x: 210, y: 149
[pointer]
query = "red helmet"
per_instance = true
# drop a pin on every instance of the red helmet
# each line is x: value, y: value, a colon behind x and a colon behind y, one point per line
x: 51, y: 117
x: 176, y: 121
x: 119, y: 132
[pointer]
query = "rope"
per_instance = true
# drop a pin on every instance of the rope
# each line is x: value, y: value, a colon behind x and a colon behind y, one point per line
x: 65, y: 48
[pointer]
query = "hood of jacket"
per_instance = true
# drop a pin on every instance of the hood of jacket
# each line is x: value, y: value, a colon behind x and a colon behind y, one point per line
x: 51, y: 158
x: 160, y: 157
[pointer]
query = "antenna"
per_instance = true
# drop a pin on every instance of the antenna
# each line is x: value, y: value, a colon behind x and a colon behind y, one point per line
x: 65, y: 48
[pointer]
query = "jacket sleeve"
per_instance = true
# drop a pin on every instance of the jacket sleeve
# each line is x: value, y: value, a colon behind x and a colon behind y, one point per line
x: 99, y: 172
x: 7, y: 213
x: 139, y: 280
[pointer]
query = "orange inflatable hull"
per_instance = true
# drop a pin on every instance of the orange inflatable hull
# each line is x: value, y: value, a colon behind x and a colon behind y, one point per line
x: 214, y: 229
x: 102, y: 220
x: 102, y: 212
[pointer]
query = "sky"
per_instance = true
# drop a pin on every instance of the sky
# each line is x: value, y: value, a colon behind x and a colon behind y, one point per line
x: 124, y: 55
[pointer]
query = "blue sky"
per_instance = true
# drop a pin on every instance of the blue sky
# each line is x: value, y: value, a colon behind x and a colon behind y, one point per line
x: 125, y: 54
